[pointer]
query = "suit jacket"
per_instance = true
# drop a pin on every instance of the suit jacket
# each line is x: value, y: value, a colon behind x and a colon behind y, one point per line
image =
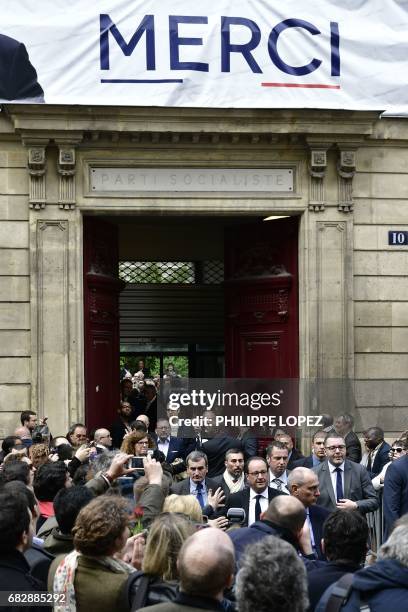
x: 183, y: 488
x: 395, y: 499
x: 381, y: 459
x: 353, y: 447
x: 306, y: 462
x: 241, y: 538
x: 18, y: 78
x: 295, y: 456
x: 357, y: 487
x: 176, y: 448
x: 241, y: 500
x: 318, y: 515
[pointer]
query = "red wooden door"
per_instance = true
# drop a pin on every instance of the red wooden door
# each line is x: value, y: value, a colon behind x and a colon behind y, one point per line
x: 262, y: 300
x: 101, y: 317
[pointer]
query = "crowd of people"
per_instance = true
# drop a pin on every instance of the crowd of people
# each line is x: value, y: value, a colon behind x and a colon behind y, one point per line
x: 138, y: 515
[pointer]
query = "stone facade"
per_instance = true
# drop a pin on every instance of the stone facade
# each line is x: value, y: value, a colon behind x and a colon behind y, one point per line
x: 351, y: 188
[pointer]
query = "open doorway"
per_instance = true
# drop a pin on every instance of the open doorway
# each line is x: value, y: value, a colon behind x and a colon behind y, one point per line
x: 211, y: 297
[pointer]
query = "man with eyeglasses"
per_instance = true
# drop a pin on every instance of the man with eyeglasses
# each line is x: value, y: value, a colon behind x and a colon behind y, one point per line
x: 395, y: 498
x: 397, y: 450
x: 255, y: 498
x: 344, y: 484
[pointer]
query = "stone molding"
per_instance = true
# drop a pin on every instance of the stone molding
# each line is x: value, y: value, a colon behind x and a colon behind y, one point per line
x: 346, y: 168
x: 37, y: 167
x: 317, y: 173
x: 66, y: 170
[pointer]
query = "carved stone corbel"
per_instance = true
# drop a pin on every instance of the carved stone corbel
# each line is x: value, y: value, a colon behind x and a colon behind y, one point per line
x: 317, y: 172
x: 346, y: 168
x: 37, y: 169
x: 66, y: 171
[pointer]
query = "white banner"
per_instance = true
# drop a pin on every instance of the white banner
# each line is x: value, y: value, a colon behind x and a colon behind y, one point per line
x: 214, y: 53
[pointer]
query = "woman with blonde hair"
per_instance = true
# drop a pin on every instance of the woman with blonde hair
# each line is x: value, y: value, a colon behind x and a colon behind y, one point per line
x: 184, y: 504
x: 157, y: 583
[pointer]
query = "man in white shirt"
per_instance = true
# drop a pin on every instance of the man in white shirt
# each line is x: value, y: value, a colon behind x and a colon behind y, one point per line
x: 277, y: 457
x: 255, y: 498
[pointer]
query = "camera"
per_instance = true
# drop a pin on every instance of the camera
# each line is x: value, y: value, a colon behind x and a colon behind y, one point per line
x: 236, y: 516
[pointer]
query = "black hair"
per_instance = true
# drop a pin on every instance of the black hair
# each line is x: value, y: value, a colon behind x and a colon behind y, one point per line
x: 64, y: 451
x: 68, y: 503
x: 345, y: 534
x: 14, y: 520
x: 25, y: 415
x: 9, y: 443
x: 17, y: 487
x: 49, y: 479
x: 16, y: 470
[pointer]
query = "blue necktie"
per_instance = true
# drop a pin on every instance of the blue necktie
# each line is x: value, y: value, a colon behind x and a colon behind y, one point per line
x: 200, y: 498
x: 339, y: 484
x: 258, y: 509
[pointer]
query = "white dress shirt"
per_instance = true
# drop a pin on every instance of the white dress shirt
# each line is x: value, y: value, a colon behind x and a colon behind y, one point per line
x: 163, y: 445
x: 264, y: 501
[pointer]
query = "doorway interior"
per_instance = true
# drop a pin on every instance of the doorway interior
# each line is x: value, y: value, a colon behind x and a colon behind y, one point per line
x: 213, y: 296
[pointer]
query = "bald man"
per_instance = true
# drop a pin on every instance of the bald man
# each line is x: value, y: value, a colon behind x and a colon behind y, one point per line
x: 284, y: 518
x: 303, y: 484
x: 206, y: 569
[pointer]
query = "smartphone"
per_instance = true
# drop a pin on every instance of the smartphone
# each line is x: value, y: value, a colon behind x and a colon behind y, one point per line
x: 136, y: 462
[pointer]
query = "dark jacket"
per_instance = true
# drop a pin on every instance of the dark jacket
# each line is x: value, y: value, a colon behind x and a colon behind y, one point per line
x: 353, y: 447
x: 395, y: 498
x: 187, y: 603
x: 306, y: 462
x: 215, y: 449
x: 155, y: 591
x: 176, y: 450
x: 294, y: 456
x: 18, y: 78
x: 241, y: 500
x: 241, y: 538
x: 321, y: 578
x: 381, y: 458
x: 318, y: 515
x: 15, y: 576
x: 183, y: 488
x: 384, y: 585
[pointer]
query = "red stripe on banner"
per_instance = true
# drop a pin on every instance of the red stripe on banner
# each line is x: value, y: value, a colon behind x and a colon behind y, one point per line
x: 306, y: 85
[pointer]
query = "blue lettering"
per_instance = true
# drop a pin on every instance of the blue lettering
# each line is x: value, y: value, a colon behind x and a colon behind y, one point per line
x: 146, y: 25
x: 335, y: 48
x: 176, y: 42
x: 245, y: 49
x: 273, y: 42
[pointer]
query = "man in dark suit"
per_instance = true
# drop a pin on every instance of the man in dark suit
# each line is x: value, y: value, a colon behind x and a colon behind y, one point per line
x: 343, y: 484
x: 345, y: 544
x: 171, y: 447
x: 318, y: 452
x: 304, y: 485
x: 284, y: 518
x: 233, y: 479
x: 255, y: 498
x: 344, y: 427
x: 293, y: 453
x: 378, y: 449
x: 18, y: 78
x: 395, y: 498
x: 209, y: 496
